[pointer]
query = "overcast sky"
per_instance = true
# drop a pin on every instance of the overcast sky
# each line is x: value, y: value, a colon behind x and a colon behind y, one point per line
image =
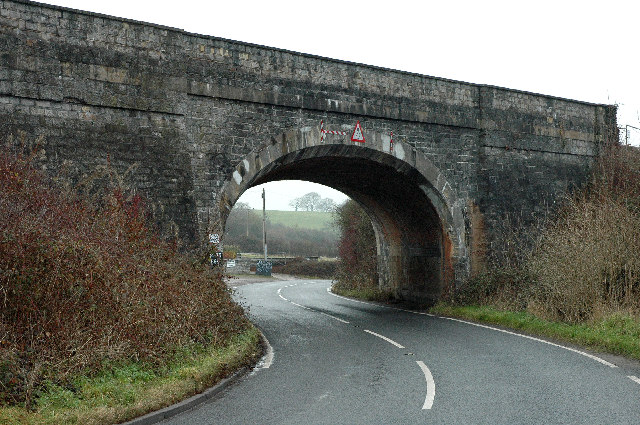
x: 584, y: 50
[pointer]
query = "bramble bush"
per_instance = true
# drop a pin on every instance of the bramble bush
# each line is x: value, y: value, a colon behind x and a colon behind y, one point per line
x: 87, y: 283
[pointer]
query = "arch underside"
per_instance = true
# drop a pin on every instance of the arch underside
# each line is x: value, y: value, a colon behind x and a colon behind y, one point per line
x: 415, y: 244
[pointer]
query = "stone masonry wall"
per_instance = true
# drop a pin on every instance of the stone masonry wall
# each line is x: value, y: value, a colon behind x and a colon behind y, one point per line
x: 186, y: 109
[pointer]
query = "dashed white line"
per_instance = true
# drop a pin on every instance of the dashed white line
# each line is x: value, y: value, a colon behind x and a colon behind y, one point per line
x: 333, y: 317
x: 309, y: 308
x: 431, y: 386
x: 301, y: 306
x: 389, y: 340
x: 634, y: 379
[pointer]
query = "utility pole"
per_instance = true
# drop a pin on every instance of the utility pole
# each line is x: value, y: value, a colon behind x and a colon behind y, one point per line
x: 264, y: 225
x: 247, y: 223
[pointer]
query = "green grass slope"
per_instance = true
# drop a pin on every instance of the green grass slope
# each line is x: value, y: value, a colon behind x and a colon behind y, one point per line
x: 313, y: 220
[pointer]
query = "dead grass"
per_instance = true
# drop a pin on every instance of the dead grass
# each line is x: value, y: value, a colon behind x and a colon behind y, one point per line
x: 588, y: 260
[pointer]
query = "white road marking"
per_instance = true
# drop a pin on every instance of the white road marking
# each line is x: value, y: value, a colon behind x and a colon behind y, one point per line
x: 268, y: 357
x: 333, y: 317
x: 356, y: 301
x: 309, y: 308
x: 301, y: 306
x: 634, y: 379
x: 582, y: 353
x: 431, y: 386
x: 389, y: 340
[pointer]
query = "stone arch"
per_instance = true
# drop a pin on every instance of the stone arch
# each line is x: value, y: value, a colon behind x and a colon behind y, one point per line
x: 417, y: 216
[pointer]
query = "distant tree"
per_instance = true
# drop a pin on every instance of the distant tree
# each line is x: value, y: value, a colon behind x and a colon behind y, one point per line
x: 327, y: 205
x: 313, y: 202
x: 310, y: 201
x: 241, y: 206
x: 295, y: 203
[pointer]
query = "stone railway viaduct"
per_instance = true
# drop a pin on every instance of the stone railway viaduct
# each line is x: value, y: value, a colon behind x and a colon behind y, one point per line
x: 204, y: 118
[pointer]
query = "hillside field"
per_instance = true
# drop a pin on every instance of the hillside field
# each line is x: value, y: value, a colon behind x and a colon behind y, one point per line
x: 313, y: 220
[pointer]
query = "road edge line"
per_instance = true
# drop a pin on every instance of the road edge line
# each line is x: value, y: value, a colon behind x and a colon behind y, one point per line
x: 480, y: 325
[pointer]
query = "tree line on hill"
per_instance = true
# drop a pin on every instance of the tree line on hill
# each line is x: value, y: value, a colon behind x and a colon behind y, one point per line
x: 313, y: 202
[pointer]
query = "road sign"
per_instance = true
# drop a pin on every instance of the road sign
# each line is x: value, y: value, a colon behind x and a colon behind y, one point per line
x: 357, y: 135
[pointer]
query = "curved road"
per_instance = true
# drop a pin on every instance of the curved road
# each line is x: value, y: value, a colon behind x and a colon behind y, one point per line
x: 340, y: 361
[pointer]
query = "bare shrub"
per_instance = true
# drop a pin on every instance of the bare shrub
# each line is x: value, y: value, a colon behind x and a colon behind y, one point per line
x: 506, y: 281
x: 502, y: 287
x: 581, y: 263
x: 589, y: 259
x: 82, y: 283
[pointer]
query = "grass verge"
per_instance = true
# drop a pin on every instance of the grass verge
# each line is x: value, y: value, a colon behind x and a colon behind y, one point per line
x: 122, y: 392
x: 617, y: 333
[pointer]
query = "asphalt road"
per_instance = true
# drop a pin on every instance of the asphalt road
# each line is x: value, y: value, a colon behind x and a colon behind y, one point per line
x: 340, y: 361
